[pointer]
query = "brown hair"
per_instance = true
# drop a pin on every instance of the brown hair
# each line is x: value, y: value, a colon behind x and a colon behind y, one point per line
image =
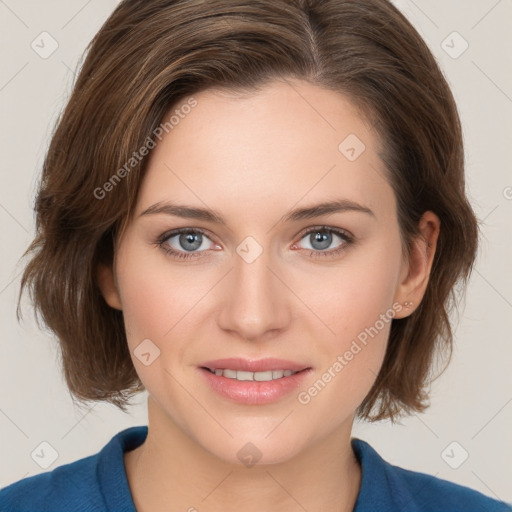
x: 151, y: 54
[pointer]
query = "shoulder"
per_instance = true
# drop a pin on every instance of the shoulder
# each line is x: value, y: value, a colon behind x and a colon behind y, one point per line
x: 390, y: 487
x: 433, y: 493
x: 91, y: 484
x: 70, y: 487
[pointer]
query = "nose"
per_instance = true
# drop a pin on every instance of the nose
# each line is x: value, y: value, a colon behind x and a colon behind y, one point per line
x: 255, y: 302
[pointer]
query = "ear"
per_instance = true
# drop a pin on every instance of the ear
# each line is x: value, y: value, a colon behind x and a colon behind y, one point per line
x: 108, y: 287
x: 415, y: 272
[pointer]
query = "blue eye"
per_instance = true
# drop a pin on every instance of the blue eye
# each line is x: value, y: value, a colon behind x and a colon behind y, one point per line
x: 190, y: 240
x: 320, y: 238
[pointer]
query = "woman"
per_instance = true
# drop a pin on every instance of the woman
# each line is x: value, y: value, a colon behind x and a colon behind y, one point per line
x: 256, y: 212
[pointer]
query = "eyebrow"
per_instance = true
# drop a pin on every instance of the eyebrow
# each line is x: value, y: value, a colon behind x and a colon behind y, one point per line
x: 209, y: 215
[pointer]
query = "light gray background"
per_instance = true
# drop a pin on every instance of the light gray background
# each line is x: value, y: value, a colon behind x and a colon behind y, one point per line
x: 471, y: 401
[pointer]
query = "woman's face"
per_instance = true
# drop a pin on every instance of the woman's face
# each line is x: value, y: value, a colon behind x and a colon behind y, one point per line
x: 317, y: 290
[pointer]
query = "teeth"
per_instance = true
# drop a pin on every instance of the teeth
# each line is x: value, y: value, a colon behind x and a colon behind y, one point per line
x: 257, y: 376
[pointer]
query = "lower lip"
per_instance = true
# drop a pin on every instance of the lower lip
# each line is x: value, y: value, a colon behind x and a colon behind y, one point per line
x: 254, y: 392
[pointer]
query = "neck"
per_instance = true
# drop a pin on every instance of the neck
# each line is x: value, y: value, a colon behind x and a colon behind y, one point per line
x: 171, y: 472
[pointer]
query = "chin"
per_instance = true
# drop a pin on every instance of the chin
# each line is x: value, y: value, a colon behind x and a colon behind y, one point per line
x: 253, y: 450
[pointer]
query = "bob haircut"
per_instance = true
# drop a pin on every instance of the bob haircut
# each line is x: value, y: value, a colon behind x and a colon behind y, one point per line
x: 149, y: 56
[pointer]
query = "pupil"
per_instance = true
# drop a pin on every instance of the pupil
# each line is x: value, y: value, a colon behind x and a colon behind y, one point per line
x: 190, y: 238
x: 324, y: 240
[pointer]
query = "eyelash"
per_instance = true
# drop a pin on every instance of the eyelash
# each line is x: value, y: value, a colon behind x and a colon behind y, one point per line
x: 344, y: 235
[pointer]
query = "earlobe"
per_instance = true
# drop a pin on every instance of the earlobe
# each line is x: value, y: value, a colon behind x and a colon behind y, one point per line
x: 107, y: 285
x: 416, y: 273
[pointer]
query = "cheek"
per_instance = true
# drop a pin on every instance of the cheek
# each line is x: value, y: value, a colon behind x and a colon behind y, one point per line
x: 160, y: 304
x: 352, y: 357
x: 153, y: 298
x: 357, y: 307
x: 359, y: 292
x: 152, y: 305
x: 147, y: 306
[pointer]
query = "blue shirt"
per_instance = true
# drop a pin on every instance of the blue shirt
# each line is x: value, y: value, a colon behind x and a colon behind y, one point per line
x: 99, y: 483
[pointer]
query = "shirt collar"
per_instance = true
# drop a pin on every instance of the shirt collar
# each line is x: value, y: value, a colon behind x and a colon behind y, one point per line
x: 380, y: 488
x: 111, y: 471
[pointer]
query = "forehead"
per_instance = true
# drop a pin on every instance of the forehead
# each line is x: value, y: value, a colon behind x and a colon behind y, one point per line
x: 290, y: 142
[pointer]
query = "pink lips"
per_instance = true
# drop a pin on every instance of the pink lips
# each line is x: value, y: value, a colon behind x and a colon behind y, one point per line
x: 254, y: 392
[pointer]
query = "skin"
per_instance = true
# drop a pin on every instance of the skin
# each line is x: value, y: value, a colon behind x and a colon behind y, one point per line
x: 253, y: 159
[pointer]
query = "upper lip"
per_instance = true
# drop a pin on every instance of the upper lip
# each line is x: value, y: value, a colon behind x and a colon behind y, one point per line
x: 251, y: 365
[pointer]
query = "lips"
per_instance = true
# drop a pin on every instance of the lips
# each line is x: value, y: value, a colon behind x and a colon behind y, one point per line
x: 257, y: 391
x: 251, y: 365
x: 246, y: 381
